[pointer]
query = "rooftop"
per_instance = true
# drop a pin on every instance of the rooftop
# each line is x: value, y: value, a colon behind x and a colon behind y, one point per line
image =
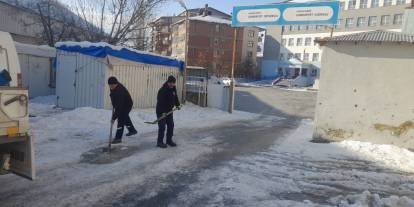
x: 211, y: 19
x: 378, y: 36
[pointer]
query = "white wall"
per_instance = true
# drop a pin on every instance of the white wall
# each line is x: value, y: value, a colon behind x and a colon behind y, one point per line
x: 36, y: 73
x: 366, y: 94
x: 218, y: 96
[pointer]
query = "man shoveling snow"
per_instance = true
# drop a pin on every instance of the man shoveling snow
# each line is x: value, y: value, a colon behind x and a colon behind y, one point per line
x: 166, y: 100
x: 122, y: 103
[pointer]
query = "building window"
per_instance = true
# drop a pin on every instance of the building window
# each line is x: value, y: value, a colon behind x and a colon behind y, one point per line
x: 363, y: 4
x: 249, y: 54
x: 400, y: 2
x: 217, y: 28
x: 398, y: 18
x: 387, y: 2
x: 282, y: 56
x: 349, y: 22
x: 374, y: 3
x: 311, y: 27
x: 308, y: 41
x: 299, y: 42
x: 361, y: 21
x: 351, y: 4
x: 338, y: 24
x: 284, y: 42
x: 298, y: 56
x: 216, y: 41
x: 372, y: 21
x: 290, y: 56
x: 251, y: 33
x: 315, y: 57
x: 216, y: 53
x: 342, y: 5
x: 291, y: 28
x: 385, y: 20
x: 291, y: 41
x: 250, y: 44
x: 319, y: 27
x: 306, y: 57
x: 304, y: 72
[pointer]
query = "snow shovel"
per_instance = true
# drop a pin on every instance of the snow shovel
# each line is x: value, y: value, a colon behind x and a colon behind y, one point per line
x: 162, y: 117
x: 110, y: 133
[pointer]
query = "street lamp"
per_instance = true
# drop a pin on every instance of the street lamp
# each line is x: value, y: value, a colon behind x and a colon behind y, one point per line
x: 182, y: 4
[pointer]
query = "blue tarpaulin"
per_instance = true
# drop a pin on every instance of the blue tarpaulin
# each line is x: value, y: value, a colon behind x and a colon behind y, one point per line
x: 124, y: 53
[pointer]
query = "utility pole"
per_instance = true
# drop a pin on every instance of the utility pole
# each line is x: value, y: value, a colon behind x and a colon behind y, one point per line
x: 181, y: 2
x: 231, y: 94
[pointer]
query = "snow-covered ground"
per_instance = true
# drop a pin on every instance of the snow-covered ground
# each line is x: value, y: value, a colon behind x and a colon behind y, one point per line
x: 71, y: 133
x: 73, y: 170
x: 338, y: 174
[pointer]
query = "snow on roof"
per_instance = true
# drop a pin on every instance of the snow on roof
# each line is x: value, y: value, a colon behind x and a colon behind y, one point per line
x: 211, y: 19
x: 102, y: 49
x: 35, y: 50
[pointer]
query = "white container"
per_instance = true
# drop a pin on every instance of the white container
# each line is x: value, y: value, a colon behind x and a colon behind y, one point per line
x: 82, y: 80
x: 36, y: 64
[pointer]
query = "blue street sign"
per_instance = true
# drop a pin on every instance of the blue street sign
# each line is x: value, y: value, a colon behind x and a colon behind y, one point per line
x: 319, y: 13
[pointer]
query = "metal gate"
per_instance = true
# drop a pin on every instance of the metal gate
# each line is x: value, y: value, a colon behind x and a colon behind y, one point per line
x: 196, y: 83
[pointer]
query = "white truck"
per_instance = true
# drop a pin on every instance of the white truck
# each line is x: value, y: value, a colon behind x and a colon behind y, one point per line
x: 16, y: 146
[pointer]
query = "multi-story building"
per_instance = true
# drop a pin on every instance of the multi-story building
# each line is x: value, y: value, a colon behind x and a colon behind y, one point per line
x: 161, y: 34
x: 162, y: 28
x: 210, y: 45
x: 298, y: 41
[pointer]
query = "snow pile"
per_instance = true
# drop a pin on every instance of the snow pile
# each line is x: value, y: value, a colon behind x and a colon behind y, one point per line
x: 367, y: 199
x: 386, y: 155
x: 261, y: 83
x: 43, y: 106
x: 36, y: 50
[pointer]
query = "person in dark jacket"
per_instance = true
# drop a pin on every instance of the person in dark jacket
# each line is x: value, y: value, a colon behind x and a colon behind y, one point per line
x: 166, y: 100
x: 122, y: 104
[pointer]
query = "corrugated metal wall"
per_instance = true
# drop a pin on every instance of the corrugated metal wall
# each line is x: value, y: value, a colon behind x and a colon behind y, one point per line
x: 143, y: 82
x: 36, y: 74
x: 90, y: 81
x: 91, y: 89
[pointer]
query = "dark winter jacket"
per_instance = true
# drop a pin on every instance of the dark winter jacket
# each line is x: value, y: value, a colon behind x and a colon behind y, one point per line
x: 166, y: 99
x: 121, y: 101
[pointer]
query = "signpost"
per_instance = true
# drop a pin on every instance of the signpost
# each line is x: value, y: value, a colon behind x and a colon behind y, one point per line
x: 286, y: 14
x: 310, y: 13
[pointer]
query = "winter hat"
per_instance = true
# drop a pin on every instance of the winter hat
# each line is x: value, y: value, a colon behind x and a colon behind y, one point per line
x: 171, y: 79
x: 112, y: 81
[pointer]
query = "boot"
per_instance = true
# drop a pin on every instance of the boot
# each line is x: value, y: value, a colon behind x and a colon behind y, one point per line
x: 132, y: 133
x: 117, y: 141
x: 171, y: 143
x: 161, y: 145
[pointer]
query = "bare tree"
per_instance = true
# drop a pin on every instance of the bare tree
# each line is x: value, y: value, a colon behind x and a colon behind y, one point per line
x: 58, y: 22
x: 115, y: 21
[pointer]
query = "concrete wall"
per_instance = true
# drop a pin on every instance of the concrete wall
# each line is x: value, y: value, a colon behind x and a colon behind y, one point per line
x: 366, y: 94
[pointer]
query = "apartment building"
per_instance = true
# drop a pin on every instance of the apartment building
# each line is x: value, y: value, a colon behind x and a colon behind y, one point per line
x: 161, y: 34
x: 210, y: 45
x: 298, y: 41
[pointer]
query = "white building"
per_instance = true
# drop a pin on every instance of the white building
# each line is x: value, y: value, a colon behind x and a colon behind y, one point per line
x: 365, y: 89
x: 355, y: 16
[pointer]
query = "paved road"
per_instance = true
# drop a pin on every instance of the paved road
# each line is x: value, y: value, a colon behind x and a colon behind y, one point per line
x: 275, y: 101
x: 236, y: 139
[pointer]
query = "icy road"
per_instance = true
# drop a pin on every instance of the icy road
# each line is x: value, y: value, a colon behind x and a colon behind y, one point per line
x: 245, y: 159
